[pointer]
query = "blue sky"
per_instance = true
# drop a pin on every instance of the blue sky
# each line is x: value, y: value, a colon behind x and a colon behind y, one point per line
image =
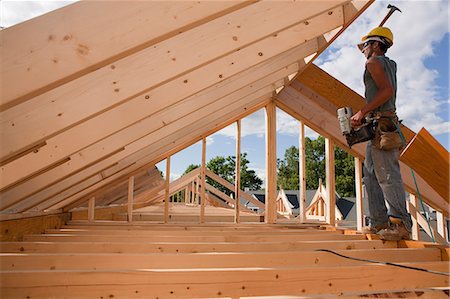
x: 421, y: 49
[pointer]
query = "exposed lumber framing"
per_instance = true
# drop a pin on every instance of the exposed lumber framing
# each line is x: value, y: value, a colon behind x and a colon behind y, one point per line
x: 167, y: 192
x: 415, y: 230
x: 437, y: 169
x: 330, y: 181
x: 330, y: 94
x: 39, y: 70
x: 237, y: 182
x: 207, y: 66
x: 441, y: 225
x: 152, y: 72
x: 203, y: 182
x: 91, y: 209
x: 320, y: 115
x: 271, y: 162
x: 51, y: 188
x: 130, y: 198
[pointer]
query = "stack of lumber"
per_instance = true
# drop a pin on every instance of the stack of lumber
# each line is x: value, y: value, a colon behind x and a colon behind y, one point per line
x: 111, y: 259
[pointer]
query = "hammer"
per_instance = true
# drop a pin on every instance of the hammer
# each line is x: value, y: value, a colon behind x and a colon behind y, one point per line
x: 391, y: 8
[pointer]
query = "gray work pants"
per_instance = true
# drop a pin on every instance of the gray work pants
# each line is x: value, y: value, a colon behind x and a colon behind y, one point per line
x: 384, y: 186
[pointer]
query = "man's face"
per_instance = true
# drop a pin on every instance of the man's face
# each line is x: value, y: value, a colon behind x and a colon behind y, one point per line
x: 367, y: 49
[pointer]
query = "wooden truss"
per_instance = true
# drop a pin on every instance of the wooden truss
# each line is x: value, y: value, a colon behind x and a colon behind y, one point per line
x: 94, y: 95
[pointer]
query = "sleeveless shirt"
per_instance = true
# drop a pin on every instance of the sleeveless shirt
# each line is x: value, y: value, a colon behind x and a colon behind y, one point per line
x: 390, y: 68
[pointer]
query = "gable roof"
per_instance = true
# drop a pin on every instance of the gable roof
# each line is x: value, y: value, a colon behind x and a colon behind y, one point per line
x: 97, y: 93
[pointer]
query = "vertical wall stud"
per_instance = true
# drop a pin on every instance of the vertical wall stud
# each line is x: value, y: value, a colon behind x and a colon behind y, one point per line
x: 302, y: 172
x: 91, y: 209
x: 203, y: 182
x: 415, y: 225
x: 237, y: 189
x: 330, y: 179
x: 167, y: 190
x: 271, y: 163
x: 130, y: 198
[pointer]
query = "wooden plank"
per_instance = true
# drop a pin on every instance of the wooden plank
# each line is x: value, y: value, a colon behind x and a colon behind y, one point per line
x: 221, y: 195
x: 173, y: 144
x: 52, y: 261
x: 144, y: 144
x: 359, y: 194
x: 117, y: 114
x: 157, y: 59
x: 422, y: 221
x: 203, y: 182
x: 215, y: 282
x: 271, y: 164
x: 330, y: 181
x: 436, y: 170
x: 325, y: 123
x: 141, y: 247
x: 415, y: 229
x: 218, y: 238
x: 441, y: 224
x: 135, y: 131
x: 288, y: 56
x: 231, y: 187
x: 130, y: 198
x: 166, y: 193
x: 14, y: 230
x: 80, y: 44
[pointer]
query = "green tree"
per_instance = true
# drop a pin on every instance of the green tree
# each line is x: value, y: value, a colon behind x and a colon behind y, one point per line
x: 315, y: 168
x: 225, y: 168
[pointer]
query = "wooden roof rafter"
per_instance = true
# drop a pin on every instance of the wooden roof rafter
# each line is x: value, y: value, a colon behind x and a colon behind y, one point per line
x: 109, y: 152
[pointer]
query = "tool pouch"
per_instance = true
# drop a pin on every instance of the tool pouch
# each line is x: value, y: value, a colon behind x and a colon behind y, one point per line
x: 387, y: 137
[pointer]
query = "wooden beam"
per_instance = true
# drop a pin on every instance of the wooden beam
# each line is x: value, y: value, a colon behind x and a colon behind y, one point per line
x: 330, y: 181
x: 198, y: 119
x: 203, y: 182
x: 436, y: 170
x: 194, y: 247
x: 194, y: 106
x: 231, y: 282
x: 167, y: 194
x: 441, y: 224
x: 320, y: 114
x: 77, y: 46
x: 91, y: 209
x: 302, y: 173
x: 422, y: 221
x: 111, y: 96
x: 186, y: 137
x: 237, y: 184
x: 130, y: 198
x: 359, y: 194
x: 39, y: 261
x: 271, y: 163
x: 415, y: 230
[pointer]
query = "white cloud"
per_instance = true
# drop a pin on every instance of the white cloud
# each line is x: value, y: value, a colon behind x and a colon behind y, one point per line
x: 417, y: 30
x: 13, y: 12
x: 209, y: 140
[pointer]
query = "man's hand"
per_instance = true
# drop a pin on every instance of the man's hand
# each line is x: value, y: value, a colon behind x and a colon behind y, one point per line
x: 357, y: 119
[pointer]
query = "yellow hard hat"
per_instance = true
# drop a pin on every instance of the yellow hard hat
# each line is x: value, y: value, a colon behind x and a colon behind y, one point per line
x: 382, y: 32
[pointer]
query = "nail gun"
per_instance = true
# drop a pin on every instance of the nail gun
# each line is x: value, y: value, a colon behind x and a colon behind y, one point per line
x: 364, y: 132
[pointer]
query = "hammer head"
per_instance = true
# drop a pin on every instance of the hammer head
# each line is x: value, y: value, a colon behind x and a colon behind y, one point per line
x: 393, y: 8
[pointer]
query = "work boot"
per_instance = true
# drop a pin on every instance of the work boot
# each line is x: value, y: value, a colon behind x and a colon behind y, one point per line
x: 373, y: 229
x: 396, y: 232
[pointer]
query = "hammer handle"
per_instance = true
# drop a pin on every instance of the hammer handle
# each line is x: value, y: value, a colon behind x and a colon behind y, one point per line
x: 386, y: 18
